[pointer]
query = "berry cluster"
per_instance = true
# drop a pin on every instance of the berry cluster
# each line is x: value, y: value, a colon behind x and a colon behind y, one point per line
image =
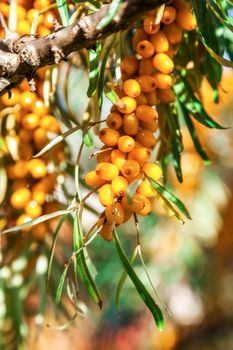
x: 31, y: 181
x: 129, y: 136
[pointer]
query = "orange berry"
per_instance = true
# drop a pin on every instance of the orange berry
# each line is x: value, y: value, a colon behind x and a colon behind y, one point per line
x: 126, y: 143
x: 9, y: 102
x: 181, y: 4
x: 146, y: 66
x: 152, y: 98
x: 115, y: 214
x: 114, y: 121
x: 132, y: 88
x: 109, y: 136
x: 21, y: 169
x: 25, y: 135
x: 173, y: 33
x: 134, y: 205
x: 106, y: 231
x: 163, y: 63
x: 186, y: 20
x: 106, y: 195
x: 146, y: 205
x: 38, y: 196
x: 33, y: 209
x: 141, y: 99
x: 152, y: 170
x: 151, y: 126
x: 39, y: 108
x: 130, y: 124
x: 145, y: 49
x: 164, y: 81
x: 146, y: 189
x: 40, y: 137
x: 119, y: 185
x: 118, y: 158
x: 128, y: 215
x: 146, y: 138
x: 147, y: 83
x: 25, y: 150
x: 37, y: 168
x: 127, y: 105
x: 43, y: 31
x: 149, y: 25
x: 93, y: 180
x: 129, y: 65
x: 22, y: 219
x: 49, y: 123
x: 139, y: 35
x: 48, y: 19
x: 23, y: 27
x: 27, y: 100
x: 140, y: 155
x: 16, y: 185
x: 146, y: 113
x: 166, y: 96
x: 106, y: 171
x: 160, y: 42
x: 20, y: 198
x: 30, y: 121
x: 32, y: 14
x: 104, y: 155
x: 130, y: 169
x: 169, y: 15
x: 39, y: 231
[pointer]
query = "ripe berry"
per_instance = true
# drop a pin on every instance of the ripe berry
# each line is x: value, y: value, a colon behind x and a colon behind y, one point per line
x: 117, y: 158
x: 146, y: 138
x: 132, y: 88
x: 39, y: 108
x: 49, y: 123
x: 164, y: 81
x: 129, y: 65
x: 141, y: 99
x: 39, y: 231
x: 146, y: 113
x: 40, y: 137
x: 186, y: 20
x: 115, y: 214
x: 109, y: 136
x: 30, y: 121
x: 152, y: 170
x: 104, y: 155
x: 93, y: 180
x: 22, y: 219
x: 145, y: 49
x: 146, y: 66
x: 21, y: 169
x: 127, y: 104
x: 25, y: 135
x: 106, y: 195
x: 134, y: 205
x: 33, y: 209
x: 181, y: 4
x: 20, y: 198
x: 139, y: 35
x: 163, y: 63
x: 37, y: 168
x: 38, y: 196
x: 173, y: 33
x: 160, y: 42
x: 130, y: 124
x: 27, y: 100
x: 114, y: 121
x: 169, y: 15
x: 151, y: 126
x: 141, y: 155
x: 146, y: 189
x: 149, y: 25
x: 106, y: 171
x: 126, y: 144
x: 166, y: 96
x: 146, y: 205
x: 152, y: 98
x: 119, y: 185
x: 147, y: 83
x: 130, y: 169
x: 106, y: 231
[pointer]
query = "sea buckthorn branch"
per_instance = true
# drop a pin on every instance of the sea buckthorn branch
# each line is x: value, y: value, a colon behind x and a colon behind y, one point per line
x: 21, y: 56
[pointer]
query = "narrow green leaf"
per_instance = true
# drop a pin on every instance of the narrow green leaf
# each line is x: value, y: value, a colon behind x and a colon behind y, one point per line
x: 81, y: 265
x: 113, y: 9
x: 88, y: 139
x: 58, y: 228
x: 61, y: 285
x: 111, y: 95
x: 63, y: 11
x: 94, y: 69
x: 142, y: 291
x: 122, y: 281
x: 169, y: 196
x: 56, y: 140
x: 38, y: 220
x: 185, y: 116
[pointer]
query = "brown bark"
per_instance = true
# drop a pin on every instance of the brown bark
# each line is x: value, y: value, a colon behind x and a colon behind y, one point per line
x: 20, y: 57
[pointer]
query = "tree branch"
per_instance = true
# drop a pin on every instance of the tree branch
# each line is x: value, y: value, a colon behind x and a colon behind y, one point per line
x: 20, y: 57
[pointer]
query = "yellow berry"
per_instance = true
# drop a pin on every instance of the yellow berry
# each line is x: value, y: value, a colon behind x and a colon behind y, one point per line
x: 106, y: 195
x: 106, y: 171
x: 119, y: 185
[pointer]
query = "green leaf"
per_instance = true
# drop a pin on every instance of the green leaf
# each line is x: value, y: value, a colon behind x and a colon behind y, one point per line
x: 122, y: 281
x: 185, y: 115
x: 56, y: 140
x: 111, y: 96
x: 221, y: 14
x: 164, y: 191
x: 112, y: 12
x: 81, y: 265
x: 61, y: 284
x: 94, y: 69
x: 142, y: 291
x: 58, y: 228
x: 63, y: 11
x: 88, y: 139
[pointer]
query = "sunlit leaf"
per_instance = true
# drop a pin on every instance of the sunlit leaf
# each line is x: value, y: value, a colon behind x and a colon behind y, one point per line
x: 88, y: 139
x: 112, y: 12
x: 63, y: 11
